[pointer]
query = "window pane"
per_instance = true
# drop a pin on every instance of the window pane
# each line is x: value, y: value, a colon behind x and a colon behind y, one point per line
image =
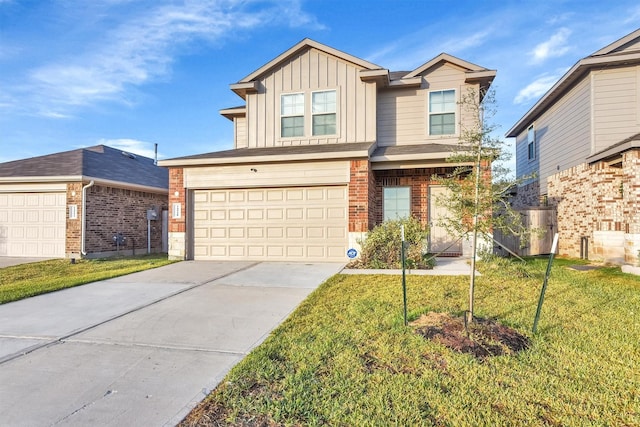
x: 396, y: 202
x: 292, y: 104
x: 442, y: 124
x: 324, y: 124
x: 442, y: 116
x: 532, y: 150
x: 324, y: 102
x: 530, y: 134
x: 292, y: 126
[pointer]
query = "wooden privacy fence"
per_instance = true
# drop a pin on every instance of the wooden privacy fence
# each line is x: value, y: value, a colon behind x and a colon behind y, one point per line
x: 542, y: 221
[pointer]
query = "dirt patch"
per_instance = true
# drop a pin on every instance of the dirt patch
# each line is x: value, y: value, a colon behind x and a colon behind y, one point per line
x: 483, y: 338
x: 210, y: 414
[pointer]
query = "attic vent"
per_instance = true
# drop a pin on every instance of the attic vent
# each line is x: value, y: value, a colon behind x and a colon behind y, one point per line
x: 129, y: 155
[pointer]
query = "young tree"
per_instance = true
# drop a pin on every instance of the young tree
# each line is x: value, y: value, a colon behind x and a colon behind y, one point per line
x: 479, y: 186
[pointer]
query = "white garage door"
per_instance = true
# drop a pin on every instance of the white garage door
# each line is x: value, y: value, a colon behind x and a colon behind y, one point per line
x: 32, y: 224
x: 275, y: 224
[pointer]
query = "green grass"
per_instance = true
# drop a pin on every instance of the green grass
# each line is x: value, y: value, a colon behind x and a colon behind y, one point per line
x: 26, y: 280
x: 345, y: 358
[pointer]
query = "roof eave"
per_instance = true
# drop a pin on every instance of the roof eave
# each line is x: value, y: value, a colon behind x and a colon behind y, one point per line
x: 82, y: 178
x: 613, y: 151
x: 574, y: 74
x: 213, y: 161
x: 308, y: 43
x: 231, y: 113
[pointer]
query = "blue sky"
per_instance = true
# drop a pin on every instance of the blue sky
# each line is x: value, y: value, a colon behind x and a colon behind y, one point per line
x: 131, y: 73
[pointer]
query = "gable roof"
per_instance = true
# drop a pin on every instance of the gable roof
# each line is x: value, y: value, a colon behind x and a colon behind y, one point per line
x: 306, y: 44
x: 613, y: 54
x: 99, y: 162
x: 445, y: 57
x: 249, y: 83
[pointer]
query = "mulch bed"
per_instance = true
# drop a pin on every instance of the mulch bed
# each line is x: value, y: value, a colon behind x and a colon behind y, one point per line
x: 483, y: 338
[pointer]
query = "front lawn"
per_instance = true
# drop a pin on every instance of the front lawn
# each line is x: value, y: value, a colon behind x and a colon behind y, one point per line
x: 345, y: 358
x: 26, y: 280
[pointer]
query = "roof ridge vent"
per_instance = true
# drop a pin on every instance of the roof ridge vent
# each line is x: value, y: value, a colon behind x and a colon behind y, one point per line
x: 129, y: 155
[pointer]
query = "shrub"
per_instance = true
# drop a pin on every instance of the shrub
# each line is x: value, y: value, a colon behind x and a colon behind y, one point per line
x: 381, y: 248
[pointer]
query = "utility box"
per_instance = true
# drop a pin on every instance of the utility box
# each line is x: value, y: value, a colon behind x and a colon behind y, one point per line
x: 152, y: 215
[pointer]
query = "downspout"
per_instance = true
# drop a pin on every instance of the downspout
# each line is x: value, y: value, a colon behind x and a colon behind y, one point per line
x: 84, y: 215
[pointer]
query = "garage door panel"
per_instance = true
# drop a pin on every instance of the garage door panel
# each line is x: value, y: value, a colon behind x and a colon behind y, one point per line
x: 255, y: 232
x: 255, y: 214
x: 255, y: 251
x: 300, y: 223
x: 237, y: 233
x: 315, y: 213
x: 315, y: 233
x: 33, y: 224
x: 275, y: 214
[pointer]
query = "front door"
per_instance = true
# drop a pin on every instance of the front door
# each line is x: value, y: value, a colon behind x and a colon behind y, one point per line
x: 440, y: 242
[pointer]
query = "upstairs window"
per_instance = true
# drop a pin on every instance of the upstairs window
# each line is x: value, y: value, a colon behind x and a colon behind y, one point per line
x: 292, y: 115
x: 323, y: 112
x: 442, y: 112
x: 396, y: 202
x: 531, y: 142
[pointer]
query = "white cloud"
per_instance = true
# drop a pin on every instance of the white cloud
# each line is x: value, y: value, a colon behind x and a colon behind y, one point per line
x: 460, y: 44
x: 535, y: 89
x: 141, y: 49
x: 633, y: 16
x: 554, y: 47
x: 142, y: 148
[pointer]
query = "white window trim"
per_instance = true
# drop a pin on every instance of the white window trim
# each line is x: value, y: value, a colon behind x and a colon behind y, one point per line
x: 281, y: 116
x: 308, y: 115
x: 384, y: 217
x: 456, y: 112
x: 311, y: 114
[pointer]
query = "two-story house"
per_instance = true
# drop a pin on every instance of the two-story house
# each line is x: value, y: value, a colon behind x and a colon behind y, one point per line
x: 326, y: 146
x: 582, y: 140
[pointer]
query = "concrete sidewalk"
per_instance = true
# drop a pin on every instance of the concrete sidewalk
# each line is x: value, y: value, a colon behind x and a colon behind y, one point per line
x: 141, y: 349
x: 445, y: 266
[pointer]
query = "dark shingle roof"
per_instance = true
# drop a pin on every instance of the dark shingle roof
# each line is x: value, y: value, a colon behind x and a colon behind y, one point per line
x: 415, y: 149
x: 281, y: 151
x: 100, y: 162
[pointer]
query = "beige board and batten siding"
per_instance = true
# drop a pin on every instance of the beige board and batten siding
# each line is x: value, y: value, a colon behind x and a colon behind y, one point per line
x: 33, y: 223
x: 280, y: 212
x: 403, y: 112
x: 616, y: 109
x: 309, y: 71
x: 240, y: 132
x: 568, y: 123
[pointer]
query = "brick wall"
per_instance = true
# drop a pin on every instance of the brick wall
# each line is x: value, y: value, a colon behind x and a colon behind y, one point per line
x: 599, y: 202
x: 361, y: 196
x: 418, y: 179
x: 177, y: 194
x: 73, y: 241
x: 113, y: 210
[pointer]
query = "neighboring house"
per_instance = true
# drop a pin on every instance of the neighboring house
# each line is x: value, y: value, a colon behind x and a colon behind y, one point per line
x: 582, y: 139
x: 72, y: 204
x: 326, y: 146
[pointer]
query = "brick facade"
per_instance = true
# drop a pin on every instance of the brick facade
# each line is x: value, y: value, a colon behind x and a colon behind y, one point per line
x: 113, y: 210
x: 601, y: 203
x: 177, y: 194
x: 73, y: 243
x: 361, y: 197
x: 419, y: 179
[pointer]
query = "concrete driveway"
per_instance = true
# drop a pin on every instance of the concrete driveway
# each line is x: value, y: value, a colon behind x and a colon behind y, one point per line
x: 141, y: 349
